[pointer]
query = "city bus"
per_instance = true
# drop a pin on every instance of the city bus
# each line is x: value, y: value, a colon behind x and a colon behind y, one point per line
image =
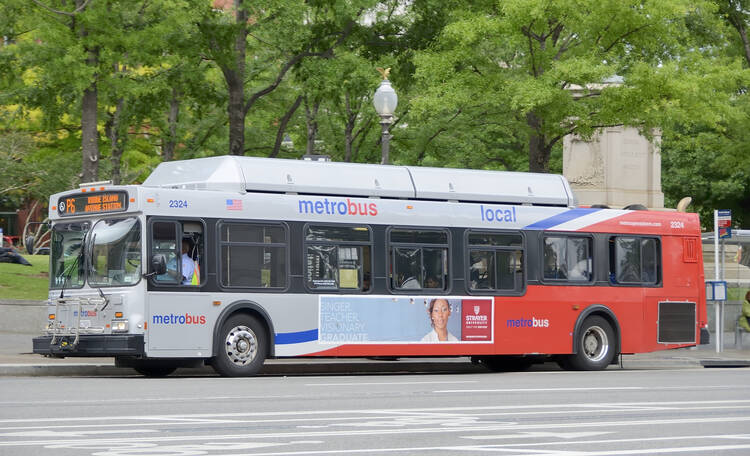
x: 229, y: 261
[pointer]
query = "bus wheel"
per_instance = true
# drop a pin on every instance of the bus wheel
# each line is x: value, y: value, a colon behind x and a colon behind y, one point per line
x: 506, y: 363
x: 242, y: 347
x: 595, y: 346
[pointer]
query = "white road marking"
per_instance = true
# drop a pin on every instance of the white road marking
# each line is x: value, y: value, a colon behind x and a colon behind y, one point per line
x: 585, y: 389
x: 407, y: 431
x: 390, y: 383
x: 328, y: 414
x: 471, y: 450
x: 80, y: 433
x: 544, y: 390
x: 526, y: 435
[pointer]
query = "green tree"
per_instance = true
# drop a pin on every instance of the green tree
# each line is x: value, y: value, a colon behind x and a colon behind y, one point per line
x: 710, y: 161
x: 543, y: 69
x: 256, y: 44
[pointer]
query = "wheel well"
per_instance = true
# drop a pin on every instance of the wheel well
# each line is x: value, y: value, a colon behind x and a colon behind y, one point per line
x: 600, y: 311
x: 250, y: 309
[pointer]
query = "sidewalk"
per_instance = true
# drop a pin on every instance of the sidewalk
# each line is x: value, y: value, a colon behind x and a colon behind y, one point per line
x: 16, y: 359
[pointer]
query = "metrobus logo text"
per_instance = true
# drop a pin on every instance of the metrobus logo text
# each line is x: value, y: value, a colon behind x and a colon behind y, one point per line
x: 528, y: 323
x: 337, y: 207
x: 172, y: 319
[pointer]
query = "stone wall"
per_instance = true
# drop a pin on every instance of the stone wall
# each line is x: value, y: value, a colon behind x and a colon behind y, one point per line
x: 618, y: 167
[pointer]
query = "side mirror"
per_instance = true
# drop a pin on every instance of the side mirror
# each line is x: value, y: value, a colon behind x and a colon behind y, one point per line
x: 158, y: 264
x: 29, y: 241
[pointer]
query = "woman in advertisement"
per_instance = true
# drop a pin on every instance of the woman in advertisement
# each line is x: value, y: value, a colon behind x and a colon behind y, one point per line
x: 439, y: 312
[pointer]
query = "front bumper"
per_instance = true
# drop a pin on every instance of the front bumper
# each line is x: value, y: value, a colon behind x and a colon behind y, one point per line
x: 91, y: 345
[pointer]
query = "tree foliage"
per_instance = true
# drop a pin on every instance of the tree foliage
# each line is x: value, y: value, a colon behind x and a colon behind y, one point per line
x: 106, y: 89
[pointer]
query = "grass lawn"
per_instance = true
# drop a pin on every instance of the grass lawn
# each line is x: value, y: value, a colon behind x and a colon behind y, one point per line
x: 25, y: 282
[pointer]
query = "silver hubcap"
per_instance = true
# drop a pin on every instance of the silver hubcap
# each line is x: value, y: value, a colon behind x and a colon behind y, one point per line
x: 241, y: 345
x: 595, y: 343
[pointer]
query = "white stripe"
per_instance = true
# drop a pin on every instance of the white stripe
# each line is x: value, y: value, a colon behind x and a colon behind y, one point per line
x: 544, y: 390
x: 381, y: 431
x: 390, y: 383
x: 588, y: 220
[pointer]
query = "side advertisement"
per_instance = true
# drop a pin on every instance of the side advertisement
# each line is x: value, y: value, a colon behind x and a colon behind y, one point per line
x: 408, y: 319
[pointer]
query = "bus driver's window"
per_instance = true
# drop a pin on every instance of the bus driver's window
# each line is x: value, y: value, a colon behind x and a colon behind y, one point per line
x: 182, y: 246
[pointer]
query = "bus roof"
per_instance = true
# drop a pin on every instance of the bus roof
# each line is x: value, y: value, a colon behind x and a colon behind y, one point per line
x: 254, y: 174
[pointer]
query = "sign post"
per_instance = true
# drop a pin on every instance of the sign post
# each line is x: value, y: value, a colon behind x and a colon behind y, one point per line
x: 722, y: 229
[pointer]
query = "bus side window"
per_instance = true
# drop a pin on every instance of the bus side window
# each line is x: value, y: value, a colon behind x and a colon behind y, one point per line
x: 418, y: 259
x: 164, y: 241
x: 568, y: 258
x: 338, y: 257
x: 495, y: 261
x: 634, y: 260
x: 253, y: 255
x: 181, y: 243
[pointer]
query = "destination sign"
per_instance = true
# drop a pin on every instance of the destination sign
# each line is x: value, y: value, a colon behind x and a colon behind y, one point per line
x: 92, y: 203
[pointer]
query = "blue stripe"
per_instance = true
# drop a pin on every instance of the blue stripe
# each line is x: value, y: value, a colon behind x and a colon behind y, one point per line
x: 560, y: 218
x: 297, y: 337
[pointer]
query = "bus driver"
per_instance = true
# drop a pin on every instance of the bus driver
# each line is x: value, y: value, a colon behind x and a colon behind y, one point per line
x: 188, y: 266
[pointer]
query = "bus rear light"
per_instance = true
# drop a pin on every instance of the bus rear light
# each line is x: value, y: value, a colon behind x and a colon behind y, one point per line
x: 119, y: 326
x: 118, y: 314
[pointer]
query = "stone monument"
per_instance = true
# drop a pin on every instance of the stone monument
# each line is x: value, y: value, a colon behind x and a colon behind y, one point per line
x: 617, y: 167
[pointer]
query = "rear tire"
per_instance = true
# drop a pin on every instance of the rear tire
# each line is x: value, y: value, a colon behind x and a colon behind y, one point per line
x: 595, y: 346
x: 242, y: 346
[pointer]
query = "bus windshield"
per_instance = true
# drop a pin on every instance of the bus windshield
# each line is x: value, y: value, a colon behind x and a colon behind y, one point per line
x: 66, y: 262
x: 115, y: 256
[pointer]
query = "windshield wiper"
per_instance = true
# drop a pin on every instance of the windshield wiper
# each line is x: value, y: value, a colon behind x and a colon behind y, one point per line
x: 68, y: 272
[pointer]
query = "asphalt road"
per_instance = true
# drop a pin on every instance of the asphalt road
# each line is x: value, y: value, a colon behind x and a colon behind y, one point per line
x: 613, y: 412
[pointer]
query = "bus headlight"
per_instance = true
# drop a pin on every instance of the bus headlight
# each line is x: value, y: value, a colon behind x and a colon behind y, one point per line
x: 119, y: 326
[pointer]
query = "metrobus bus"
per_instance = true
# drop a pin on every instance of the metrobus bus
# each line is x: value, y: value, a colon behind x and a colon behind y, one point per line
x: 232, y: 260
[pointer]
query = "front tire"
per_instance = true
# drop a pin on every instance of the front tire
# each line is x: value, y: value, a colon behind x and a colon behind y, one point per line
x: 242, y: 347
x: 595, y: 346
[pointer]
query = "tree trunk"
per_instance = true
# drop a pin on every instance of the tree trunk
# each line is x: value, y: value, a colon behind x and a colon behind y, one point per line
x: 89, y: 105
x: 89, y: 135
x: 168, y: 150
x: 311, y: 119
x: 235, y: 78
x: 282, y: 127
x: 351, y: 119
x: 538, y: 153
x: 116, y: 141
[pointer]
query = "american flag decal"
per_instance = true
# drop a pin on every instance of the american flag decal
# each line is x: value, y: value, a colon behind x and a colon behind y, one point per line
x: 234, y: 205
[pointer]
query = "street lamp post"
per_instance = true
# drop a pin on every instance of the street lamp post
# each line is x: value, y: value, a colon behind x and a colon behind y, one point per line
x: 385, y: 102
